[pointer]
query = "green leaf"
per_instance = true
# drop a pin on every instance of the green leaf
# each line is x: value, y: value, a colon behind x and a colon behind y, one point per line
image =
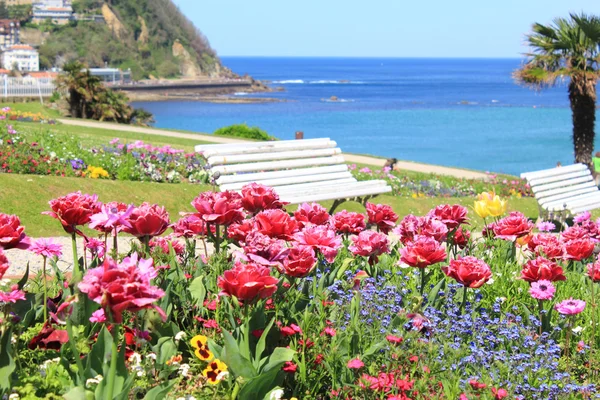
x: 100, y: 352
x: 343, y: 268
x: 25, y: 277
x: 276, y: 360
x: 260, y: 386
x: 260, y: 346
x: 197, y: 290
x: 433, y: 295
x: 375, y: 347
x: 7, y: 364
x: 79, y: 393
x: 122, y: 379
x: 164, y: 350
x: 239, y: 365
x: 160, y: 392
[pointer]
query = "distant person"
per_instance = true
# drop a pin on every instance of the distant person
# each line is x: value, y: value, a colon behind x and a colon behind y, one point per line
x: 596, y: 161
x: 390, y: 163
x: 558, y: 164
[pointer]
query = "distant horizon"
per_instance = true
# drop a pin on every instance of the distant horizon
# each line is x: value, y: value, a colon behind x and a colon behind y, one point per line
x: 379, y: 57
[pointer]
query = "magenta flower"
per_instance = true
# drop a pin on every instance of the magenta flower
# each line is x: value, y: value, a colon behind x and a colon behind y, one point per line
x: 355, y: 363
x: 98, y: 316
x: 582, y: 217
x: 542, y: 290
x: 112, y: 216
x: 13, y: 296
x: 545, y: 226
x: 570, y: 306
x: 46, y: 247
x: 369, y: 244
x: 321, y: 238
x: 96, y: 247
x: 122, y: 287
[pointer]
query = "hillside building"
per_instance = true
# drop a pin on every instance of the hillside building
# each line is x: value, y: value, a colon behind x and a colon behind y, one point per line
x: 60, y: 12
x: 112, y: 76
x: 9, y: 33
x: 18, y: 2
x: 21, y: 57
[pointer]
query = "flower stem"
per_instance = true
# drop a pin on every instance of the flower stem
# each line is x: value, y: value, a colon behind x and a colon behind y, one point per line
x: 77, y: 273
x: 422, y: 281
x: 116, y: 242
x: 112, y: 372
x: 45, y: 290
x: 593, y: 343
x: 541, y: 309
x: 464, y: 299
x: 567, y: 342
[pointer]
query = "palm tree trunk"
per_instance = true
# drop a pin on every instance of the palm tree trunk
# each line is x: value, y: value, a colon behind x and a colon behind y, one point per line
x: 582, y: 95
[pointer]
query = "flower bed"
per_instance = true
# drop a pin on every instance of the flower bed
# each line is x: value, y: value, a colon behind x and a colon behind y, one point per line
x: 304, y: 305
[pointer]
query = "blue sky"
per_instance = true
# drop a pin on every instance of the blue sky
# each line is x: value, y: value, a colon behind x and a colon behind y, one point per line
x: 390, y: 28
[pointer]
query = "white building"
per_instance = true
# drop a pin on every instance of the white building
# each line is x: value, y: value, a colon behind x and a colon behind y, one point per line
x: 21, y: 57
x: 60, y: 12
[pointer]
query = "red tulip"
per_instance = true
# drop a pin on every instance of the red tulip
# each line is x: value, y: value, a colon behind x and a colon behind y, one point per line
x: 189, y: 227
x: 247, y: 282
x: 381, y: 215
x: 370, y: 244
x: 300, y: 261
x: 266, y: 251
x: 591, y: 228
x: 422, y: 252
x: 469, y: 271
x: 349, y: 222
x: 593, y: 271
x: 451, y: 216
x: 579, y: 249
x: 12, y: 233
x: 542, y: 269
x: 512, y: 227
x: 49, y: 338
x: 321, y: 238
x: 74, y: 209
x: 461, y: 237
x: 239, y: 231
x: 574, y: 232
x: 411, y: 226
x: 164, y: 245
x: 257, y: 197
x: 3, y: 263
x: 148, y: 221
x: 547, y: 245
x: 223, y: 208
x: 122, y: 287
x: 276, y: 224
x: 311, y: 214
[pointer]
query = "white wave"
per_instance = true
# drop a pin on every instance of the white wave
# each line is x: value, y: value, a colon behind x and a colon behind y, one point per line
x: 288, y: 81
x: 338, y: 82
x: 495, y: 101
x: 338, y: 100
x: 240, y: 94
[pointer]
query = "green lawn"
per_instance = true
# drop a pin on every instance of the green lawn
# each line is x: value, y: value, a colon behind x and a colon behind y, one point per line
x: 28, y: 196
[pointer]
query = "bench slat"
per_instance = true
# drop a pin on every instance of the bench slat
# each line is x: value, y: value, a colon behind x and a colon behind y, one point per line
x: 253, y: 177
x: 561, y: 184
x: 542, y: 196
x: 291, y: 180
x: 272, y: 165
x: 343, y: 194
x: 553, y: 171
x: 572, y: 202
x: 566, y: 196
x: 285, y: 155
x: 250, y: 146
x: 588, y: 207
x: 558, y: 178
x: 264, y: 147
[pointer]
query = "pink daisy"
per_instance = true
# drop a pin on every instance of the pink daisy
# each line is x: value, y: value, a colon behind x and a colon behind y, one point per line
x: 46, y: 247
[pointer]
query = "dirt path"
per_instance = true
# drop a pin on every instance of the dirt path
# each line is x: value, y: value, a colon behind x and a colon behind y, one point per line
x: 351, y: 158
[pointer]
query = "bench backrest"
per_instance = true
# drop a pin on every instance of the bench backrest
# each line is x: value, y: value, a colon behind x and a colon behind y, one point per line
x: 561, y: 183
x: 277, y: 163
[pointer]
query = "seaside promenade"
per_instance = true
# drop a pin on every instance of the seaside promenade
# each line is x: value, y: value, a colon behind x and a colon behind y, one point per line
x: 351, y: 158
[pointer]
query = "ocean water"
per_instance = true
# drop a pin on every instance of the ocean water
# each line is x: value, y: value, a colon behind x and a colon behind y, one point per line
x: 456, y: 112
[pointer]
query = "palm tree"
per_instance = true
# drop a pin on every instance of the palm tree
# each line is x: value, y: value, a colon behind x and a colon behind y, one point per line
x: 568, y: 48
x: 82, y: 87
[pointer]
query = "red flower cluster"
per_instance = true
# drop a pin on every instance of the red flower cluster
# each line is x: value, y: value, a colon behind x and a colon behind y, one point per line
x: 412, y: 226
x: 147, y: 221
x: 300, y: 262
x: 370, y: 244
x: 512, y: 227
x: 422, y: 252
x: 349, y: 222
x: 221, y: 208
x: 276, y: 224
x: 311, y: 214
x: 257, y: 197
x: 451, y: 216
x: 74, y: 209
x: 381, y: 215
x: 547, y: 245
x: 12, y: 233
x: 247, y: 282
x: 542, y: 269
x: 469, y: 271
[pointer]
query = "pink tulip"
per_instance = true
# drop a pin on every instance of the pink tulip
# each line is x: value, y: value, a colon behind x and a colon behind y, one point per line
x: 370, y: 244
x: 321, y: 238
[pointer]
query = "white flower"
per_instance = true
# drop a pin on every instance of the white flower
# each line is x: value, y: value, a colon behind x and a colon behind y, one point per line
x: 91, y: 382
x: 222, y: 375
x: 276, y: 394
x: 184, y: 369
x: 13, y: 396
x: 180, y: 335
x: 151, y: 356
x: 577, y: 330
x: 491, y: 281
x: 135, y: 359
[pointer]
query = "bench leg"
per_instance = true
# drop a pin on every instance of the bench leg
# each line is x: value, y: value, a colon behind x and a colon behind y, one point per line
x: 360, y: 200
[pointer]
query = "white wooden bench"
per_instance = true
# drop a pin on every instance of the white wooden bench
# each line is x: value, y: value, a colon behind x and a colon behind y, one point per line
x: 564, y: 191
x: 308, y: 170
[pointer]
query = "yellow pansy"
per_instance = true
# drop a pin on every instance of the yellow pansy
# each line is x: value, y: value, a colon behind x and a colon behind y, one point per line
x: 200, y: 345
x: 215, y: 372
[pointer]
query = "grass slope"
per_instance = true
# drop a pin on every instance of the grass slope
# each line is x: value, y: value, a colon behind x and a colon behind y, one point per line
x: 28, y: 196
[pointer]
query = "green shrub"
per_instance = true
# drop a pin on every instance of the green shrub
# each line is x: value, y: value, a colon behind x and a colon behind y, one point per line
x: 244, y: 131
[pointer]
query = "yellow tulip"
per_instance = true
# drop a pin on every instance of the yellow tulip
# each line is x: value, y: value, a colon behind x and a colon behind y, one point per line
x: 481, y: 209
x: 489, y: 205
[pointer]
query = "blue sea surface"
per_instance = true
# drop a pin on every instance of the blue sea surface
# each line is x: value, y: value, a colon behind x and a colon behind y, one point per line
x: 456, y: 112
